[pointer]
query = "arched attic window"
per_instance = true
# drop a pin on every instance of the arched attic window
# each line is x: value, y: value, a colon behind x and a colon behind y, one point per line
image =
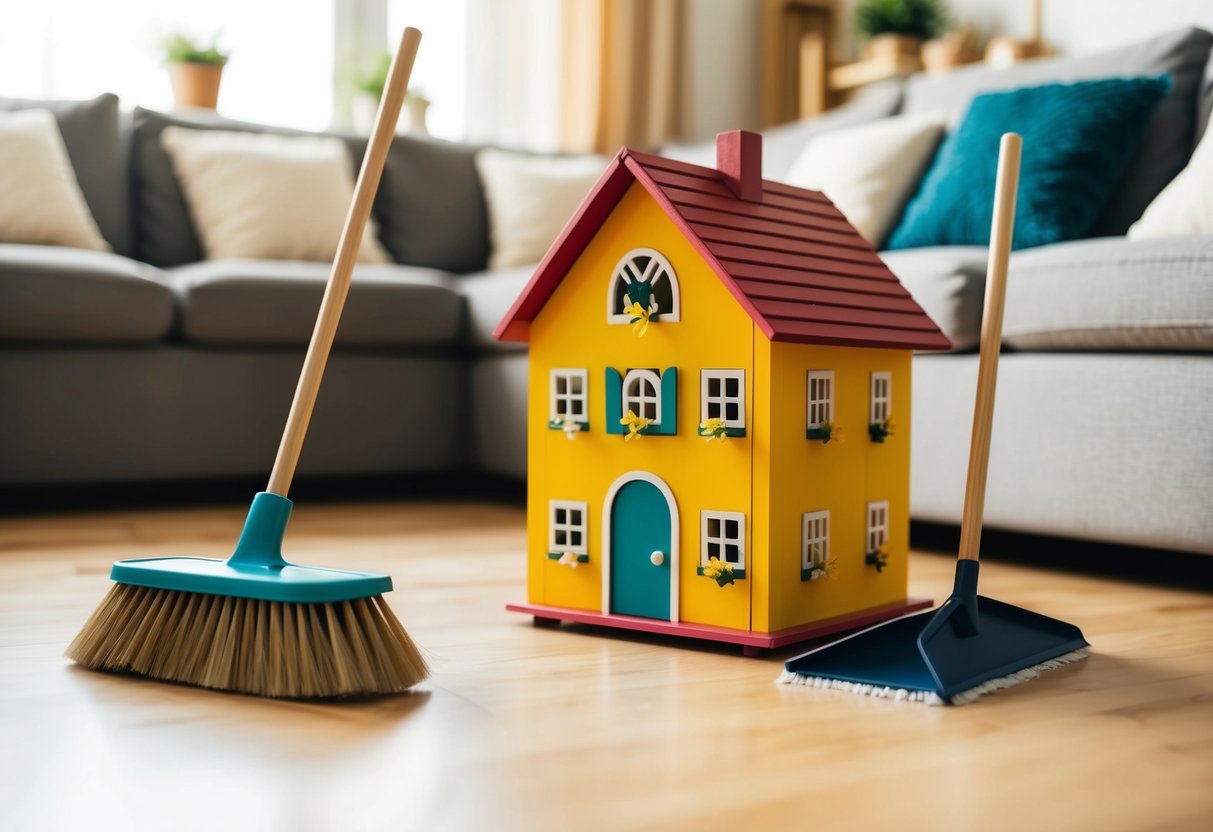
x: 643, y: 274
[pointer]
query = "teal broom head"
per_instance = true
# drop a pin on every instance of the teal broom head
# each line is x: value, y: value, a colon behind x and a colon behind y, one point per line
x: 256, y: 569
x: 252, y: 623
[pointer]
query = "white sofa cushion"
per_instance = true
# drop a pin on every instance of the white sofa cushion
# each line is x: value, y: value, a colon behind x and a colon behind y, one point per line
x: 42, y: 202
x: 530, y: 198
x: 870, y: 170
x: 260, y: 196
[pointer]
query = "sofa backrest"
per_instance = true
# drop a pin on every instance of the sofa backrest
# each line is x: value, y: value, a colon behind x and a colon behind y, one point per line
x: 1169, y: 137
x: 430, y: 207
x: 95, y: 148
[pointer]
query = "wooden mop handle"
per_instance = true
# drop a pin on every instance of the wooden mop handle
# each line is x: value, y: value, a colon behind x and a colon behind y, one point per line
x: 343, y: 266
x: 1005, y: 188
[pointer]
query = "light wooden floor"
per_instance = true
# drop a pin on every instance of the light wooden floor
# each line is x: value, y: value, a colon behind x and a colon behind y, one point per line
x: 526, y: 728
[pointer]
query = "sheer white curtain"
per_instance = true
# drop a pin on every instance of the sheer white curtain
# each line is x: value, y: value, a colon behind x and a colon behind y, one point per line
x: 513, y: 72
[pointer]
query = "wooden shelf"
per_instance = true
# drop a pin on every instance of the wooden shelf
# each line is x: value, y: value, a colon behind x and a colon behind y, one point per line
x: 880, y: 68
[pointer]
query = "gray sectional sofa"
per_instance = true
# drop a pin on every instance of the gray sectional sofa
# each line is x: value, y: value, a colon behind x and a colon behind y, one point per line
x: 149, y: 364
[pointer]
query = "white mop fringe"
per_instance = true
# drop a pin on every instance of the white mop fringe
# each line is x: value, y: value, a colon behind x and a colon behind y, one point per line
x: 930, y: 698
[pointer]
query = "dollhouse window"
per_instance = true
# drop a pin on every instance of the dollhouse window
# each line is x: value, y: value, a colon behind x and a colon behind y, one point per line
x: 723, y: 538
x: 643, y: 275
x: 642, y: 394
x: 821, y: 398
x: 568, y: 396
x: 882, y: 393
x: 646, y: 393
x: 566, y: 527
x: 722, y: 396
x: 878, y: 525
x: 815, y: 542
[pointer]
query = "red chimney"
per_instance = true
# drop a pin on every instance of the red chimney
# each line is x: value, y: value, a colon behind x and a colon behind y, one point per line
x: 739, y: 160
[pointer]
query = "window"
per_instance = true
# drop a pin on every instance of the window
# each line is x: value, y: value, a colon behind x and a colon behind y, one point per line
x: 642, y: 394
x: 566, y: 528
x: 882, y: 393
x: 643, y: 275
x: 722, y: 396
x: 724, y: 539
x: 645, y: 393
x: 878, y: 525
x: 815, y: 544
x: 568, y: 397
x: 821, y: 399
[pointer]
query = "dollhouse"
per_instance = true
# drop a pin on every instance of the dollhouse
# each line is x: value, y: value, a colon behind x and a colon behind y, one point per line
x: 719, y: 409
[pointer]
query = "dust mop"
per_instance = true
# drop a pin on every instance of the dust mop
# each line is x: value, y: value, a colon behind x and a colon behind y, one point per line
x: 972, y: 645
x: 255, y: 623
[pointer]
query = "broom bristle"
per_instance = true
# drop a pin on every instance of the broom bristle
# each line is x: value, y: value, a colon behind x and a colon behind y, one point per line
x: 264, y: 648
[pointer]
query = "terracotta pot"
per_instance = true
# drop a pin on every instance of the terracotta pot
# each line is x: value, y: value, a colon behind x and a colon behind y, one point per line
x: 890, y: 47
x: 954, y: 49
x: 195, y: 85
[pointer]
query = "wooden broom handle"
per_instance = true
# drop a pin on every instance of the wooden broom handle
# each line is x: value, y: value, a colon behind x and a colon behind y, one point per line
x: 1005, y: 188
x: 343, y: 266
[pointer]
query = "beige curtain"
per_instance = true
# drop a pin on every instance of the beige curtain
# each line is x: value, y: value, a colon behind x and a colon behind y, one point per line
x: 622, y: 73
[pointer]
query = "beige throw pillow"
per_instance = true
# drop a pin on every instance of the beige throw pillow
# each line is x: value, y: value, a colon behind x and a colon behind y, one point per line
x: 1186, y: 205
x: 40, y: 200
x: 260, y: 196
x: 530, y: 198
x: 870, y: 170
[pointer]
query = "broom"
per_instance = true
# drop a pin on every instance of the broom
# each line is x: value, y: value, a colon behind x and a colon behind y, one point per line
x: 255, y: 623
x: 972, y: 645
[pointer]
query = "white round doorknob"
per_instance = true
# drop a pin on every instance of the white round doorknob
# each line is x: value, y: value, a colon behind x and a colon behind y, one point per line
x: 657, y: 558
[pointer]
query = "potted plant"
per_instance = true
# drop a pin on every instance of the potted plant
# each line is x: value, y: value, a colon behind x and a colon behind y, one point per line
x: 369, y: 85
x: 195, y: 70
x: 898, y: 27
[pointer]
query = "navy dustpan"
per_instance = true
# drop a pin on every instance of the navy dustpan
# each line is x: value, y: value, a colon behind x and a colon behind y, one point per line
x: 969, y: 646
x: 972, y: 644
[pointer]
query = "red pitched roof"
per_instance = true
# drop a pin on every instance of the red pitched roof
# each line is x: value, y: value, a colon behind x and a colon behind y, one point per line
x: 792, y: 261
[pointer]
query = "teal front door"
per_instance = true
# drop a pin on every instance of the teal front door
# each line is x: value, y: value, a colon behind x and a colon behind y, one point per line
x: 640, y: 551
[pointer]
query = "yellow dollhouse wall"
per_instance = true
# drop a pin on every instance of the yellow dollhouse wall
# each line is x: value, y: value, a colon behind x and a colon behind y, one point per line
x: 571, y: 331
x: 795, y: 475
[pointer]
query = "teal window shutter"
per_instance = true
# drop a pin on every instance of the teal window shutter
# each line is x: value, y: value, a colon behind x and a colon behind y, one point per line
x: 614, y: 401
x: 669, y: 405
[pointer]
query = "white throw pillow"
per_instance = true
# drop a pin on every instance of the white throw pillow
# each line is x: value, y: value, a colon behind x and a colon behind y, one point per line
x: 870, y: 170
x: 1186, y: 205
x: 261, y: 196
x: 40, y: 200
x: 530, y: 198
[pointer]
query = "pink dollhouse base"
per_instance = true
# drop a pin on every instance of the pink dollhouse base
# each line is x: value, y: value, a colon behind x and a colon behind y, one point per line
x: 752, y: 644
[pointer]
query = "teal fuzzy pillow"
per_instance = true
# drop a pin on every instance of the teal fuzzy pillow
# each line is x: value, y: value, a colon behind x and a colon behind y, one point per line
x: 1077, y: 141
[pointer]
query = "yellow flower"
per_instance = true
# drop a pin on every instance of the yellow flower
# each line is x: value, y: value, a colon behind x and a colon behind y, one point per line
x: 833, y: 433
x: 635, y: 424
x: 712, y: 428
x: 640, y: 318
x: 721, y: 573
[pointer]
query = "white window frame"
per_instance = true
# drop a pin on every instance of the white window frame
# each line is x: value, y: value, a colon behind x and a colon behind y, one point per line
x: 824, y: 405
x: 632, y: 403
x: 722, y: 539
x: 814, y: 528
x: 882, y: 400
x: 705, y: 377
x: 568, y: 527
x: 555, y: 397
x: 877, y: 525
x: 659, y: 267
